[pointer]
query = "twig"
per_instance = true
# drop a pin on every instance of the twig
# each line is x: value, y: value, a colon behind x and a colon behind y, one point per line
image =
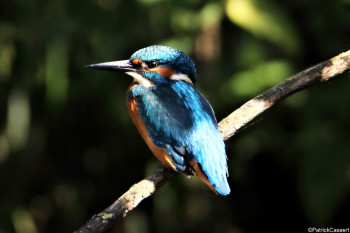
x: 254, y: 107
x: 228, y: 127
x: 128, y: 201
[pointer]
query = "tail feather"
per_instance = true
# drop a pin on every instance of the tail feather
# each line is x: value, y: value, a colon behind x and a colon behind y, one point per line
x: 220, y: 187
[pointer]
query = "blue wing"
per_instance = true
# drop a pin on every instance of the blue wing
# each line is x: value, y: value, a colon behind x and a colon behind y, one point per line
x: 179, y: 119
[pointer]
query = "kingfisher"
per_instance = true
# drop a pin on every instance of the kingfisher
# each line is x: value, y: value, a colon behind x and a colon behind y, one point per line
x: 175, y: 120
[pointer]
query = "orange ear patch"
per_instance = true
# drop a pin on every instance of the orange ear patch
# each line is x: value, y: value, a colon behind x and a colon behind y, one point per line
x: 164, y: 71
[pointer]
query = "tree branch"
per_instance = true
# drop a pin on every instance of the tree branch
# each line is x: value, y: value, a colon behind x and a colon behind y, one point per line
x: 228, y: 127
x: 254, y: 107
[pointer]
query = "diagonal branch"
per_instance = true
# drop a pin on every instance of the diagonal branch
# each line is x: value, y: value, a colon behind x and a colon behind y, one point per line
x: 228, y: 127
x: 254, y: 107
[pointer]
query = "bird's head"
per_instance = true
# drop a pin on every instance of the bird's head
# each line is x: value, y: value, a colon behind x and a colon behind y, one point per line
x: 155, y: 65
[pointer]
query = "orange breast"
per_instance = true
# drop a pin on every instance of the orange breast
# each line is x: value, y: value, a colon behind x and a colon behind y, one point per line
x: 160, y: 153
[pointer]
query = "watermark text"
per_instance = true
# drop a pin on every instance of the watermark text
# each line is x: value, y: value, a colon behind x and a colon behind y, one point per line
x: 327, y: 229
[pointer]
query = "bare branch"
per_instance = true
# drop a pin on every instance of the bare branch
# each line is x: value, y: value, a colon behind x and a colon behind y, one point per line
x: 228, y: 127
x: 254, y: 107
x: 128, y: 201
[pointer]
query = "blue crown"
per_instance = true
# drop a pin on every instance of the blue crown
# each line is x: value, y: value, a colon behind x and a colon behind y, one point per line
x: 169, y: 57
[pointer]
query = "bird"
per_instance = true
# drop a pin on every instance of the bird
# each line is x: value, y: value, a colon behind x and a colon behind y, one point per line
x: 175, y: 120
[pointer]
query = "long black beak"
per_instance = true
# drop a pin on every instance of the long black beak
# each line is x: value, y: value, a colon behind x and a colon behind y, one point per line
x: 123, y: 65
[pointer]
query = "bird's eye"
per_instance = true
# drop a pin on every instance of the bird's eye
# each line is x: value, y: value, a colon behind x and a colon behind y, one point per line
x: 152, y: 64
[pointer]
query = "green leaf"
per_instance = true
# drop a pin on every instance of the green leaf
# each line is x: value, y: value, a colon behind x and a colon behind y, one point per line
x: 265, y: 19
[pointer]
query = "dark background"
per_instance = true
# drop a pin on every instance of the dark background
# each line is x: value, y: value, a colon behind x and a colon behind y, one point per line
x: 68, y: 148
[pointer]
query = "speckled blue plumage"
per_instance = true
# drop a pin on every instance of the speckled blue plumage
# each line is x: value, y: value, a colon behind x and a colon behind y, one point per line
x: 179, y: 119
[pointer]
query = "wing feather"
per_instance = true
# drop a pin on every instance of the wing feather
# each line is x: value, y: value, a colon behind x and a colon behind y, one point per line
x: 180, y: 119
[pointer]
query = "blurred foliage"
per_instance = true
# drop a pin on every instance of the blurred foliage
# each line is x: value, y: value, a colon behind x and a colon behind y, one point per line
x: 68, y: 147
x: 266, y: 19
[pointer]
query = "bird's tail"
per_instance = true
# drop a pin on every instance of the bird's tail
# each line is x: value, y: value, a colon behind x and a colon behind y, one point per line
x: 221, y: 187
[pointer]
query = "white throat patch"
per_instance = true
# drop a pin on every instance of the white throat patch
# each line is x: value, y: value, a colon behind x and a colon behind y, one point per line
x: 181, y: 77
x: 141, y: 80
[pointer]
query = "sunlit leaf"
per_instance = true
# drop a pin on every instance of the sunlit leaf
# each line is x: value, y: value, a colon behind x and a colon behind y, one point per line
x: 211, y: 13
x: 264, y: 19
x: 251, y: 81
x: 18, y: 119
x: 23, y: 221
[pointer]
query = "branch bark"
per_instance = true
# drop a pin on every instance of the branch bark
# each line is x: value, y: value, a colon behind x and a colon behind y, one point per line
x: 228, y: 127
